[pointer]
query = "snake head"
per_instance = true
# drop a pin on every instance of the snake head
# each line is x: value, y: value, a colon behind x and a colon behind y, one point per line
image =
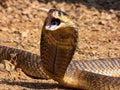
x: 57, y: 19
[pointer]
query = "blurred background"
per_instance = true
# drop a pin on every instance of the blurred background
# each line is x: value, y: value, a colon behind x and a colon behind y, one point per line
x: 21, y: 22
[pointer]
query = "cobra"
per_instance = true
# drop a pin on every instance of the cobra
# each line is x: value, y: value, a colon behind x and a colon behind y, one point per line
x: 59, y: 39
x: 58, y: 43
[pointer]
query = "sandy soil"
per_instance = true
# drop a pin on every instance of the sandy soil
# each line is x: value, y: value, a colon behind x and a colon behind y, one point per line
x: 20, y: 27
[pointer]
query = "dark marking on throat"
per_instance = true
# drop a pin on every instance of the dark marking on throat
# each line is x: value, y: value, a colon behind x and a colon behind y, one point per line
x: 54, y: 61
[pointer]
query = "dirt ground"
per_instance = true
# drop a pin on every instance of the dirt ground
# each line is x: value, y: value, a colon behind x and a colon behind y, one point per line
x: 20, y: 27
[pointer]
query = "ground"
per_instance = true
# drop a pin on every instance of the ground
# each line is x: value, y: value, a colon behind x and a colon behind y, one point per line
x: 20, y: 27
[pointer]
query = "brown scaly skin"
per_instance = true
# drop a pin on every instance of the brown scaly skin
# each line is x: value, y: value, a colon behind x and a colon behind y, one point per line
x: 63, y: 40
x: 28, y: 62
x: 57, y: 49
x: 106, y: 67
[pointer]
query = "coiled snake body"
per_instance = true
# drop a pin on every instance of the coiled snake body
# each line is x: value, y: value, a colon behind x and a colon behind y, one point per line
x: 28, y: 62
x: 58, y: 44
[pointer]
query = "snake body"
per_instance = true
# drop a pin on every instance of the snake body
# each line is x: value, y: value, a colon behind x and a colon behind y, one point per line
x: 93, y: 75
x: 58, y: 44
x: 28, y: 62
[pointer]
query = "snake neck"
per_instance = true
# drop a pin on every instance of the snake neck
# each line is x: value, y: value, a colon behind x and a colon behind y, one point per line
x: 57, y: 50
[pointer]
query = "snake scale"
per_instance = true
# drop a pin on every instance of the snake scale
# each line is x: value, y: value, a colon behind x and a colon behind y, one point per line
x: 28, y: 62
x: 58, y: 44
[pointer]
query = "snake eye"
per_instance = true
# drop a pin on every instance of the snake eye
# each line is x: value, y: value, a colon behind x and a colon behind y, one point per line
x: 53, y: 24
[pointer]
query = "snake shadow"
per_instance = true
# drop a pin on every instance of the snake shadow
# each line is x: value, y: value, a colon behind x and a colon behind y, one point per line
x: 33, y: 85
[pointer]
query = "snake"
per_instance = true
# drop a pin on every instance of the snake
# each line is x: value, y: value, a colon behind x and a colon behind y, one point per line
x: 59, y: 39
x: 27, y: 61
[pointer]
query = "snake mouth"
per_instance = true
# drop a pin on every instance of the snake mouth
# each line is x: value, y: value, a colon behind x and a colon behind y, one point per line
x: 53, y: 24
